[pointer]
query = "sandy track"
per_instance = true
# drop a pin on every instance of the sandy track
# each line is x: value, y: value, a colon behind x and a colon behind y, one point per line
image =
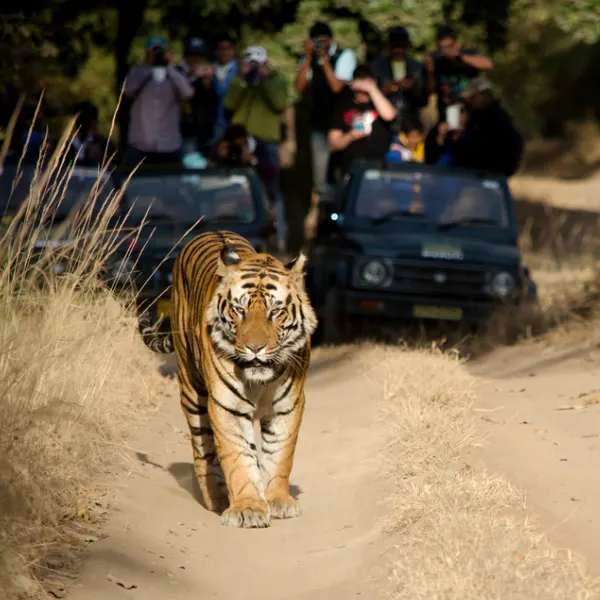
x: 539, y: 406
x: 164, y: 543
x: 161, y: 540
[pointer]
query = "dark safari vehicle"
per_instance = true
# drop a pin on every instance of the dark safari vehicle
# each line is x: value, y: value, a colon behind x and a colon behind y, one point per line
x: 176, y: 205
x: 65, y: 205
x: 415, y: 241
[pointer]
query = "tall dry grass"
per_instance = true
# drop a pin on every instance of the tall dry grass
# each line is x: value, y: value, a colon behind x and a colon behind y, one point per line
x: 454, y: 533
x: 565, y: 267
x: 74, y: 375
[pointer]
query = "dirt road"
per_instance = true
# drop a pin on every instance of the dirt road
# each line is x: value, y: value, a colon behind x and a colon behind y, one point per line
x: 537, y: 404
x: 166, y: 545
x: 540, y: 407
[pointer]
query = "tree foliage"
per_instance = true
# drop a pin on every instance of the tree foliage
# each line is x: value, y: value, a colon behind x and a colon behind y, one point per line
x: 73, y: 49
x: 580, y: 18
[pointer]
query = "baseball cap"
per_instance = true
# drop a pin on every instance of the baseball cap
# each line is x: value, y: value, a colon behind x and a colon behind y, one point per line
x: 399, y: 34
x: 194, y: 45
x: 255, y: 54
x: 156, y: 41
x: 445, y: 31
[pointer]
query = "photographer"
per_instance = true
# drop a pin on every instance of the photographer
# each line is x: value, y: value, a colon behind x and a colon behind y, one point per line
x: 402, y: 78
x: 323, y: 72
x: 450, y: 70
x: 257, y: 98
x: 155, y: 90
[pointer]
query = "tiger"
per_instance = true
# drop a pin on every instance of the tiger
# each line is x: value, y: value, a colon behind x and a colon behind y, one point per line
x: 241, y: 324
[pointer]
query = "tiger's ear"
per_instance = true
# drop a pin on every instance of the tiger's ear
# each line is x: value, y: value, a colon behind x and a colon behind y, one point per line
x: 296, y: 269
x: 228, y: 257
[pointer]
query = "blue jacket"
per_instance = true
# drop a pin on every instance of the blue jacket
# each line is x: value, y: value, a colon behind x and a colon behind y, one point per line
x: 221, y: 89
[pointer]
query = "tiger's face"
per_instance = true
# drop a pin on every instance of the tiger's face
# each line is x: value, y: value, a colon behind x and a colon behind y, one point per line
x: 260, y: 315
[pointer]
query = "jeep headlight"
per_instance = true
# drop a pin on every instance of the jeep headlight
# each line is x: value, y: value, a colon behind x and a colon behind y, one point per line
x: 373, y: 273
x: 502, y: 285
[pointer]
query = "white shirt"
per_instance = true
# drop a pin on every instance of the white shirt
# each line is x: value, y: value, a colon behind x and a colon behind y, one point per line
x: 222, y: 70
x: 344, y: 67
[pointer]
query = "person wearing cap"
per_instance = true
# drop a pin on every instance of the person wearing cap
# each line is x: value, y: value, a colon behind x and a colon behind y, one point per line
x: 155, y: 90
x: 323, y: 72
x: 198, y: 124
x: 257, y: 98
x: 451, y: 67
x: 402, y: 78
x: 490, y: 141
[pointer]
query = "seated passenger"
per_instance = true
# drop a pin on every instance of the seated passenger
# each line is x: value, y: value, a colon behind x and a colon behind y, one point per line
x: 89, y: 146
x: 490, y: 140
x: 475, y: 202
x: 408, y: 146
x: 441, y: 139
x: 234, y: 149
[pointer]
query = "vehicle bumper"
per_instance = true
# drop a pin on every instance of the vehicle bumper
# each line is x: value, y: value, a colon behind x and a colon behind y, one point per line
x: 397, y: 306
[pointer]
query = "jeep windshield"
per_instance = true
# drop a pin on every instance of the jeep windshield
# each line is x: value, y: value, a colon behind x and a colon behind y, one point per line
x: 67, y: 189
x: 446, y: 200
x: 184, y: 199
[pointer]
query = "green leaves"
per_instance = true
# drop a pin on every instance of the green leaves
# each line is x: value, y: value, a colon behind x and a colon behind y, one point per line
x: 580, y: 18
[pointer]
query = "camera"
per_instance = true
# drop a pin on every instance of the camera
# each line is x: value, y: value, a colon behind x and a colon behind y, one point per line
x: 234, y: 157
x: 317, y: 45
x: 253, y: 76
x: 158, y: 57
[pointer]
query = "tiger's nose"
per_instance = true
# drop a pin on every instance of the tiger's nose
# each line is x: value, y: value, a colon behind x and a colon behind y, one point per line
x: 255, y: 348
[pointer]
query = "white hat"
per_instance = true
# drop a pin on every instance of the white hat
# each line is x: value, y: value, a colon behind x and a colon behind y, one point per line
x: 255, y: 54
x: 479, y: 84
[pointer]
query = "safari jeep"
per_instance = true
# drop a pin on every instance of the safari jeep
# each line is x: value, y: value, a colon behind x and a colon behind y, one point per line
x: 418, y: 242
x: 169, y: 206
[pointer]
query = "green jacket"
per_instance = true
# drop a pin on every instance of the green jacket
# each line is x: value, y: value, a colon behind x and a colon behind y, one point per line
x: 258, y: 108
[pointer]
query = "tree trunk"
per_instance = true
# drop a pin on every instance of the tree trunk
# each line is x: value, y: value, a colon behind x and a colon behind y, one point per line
x: 296, y: 181
x: 130, y: 19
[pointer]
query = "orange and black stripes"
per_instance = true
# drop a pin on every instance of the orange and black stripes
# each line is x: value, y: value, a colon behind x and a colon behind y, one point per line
x: 241, y: 325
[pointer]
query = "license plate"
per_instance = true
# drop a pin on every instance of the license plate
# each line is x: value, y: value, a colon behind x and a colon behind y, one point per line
x: 163, y: 309
x: 446, y: 313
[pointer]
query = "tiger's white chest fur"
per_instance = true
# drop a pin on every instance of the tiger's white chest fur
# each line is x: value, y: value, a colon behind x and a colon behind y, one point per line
x: 268, y: 397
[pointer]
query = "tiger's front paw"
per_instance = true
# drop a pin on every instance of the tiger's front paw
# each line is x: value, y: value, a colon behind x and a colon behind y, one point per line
x: 247, y: 513
x: 283, y: 507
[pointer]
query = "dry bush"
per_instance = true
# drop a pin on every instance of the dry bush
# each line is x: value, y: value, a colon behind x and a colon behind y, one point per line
x: 455, y: 533
x: 569, y: 299
x: 74, y: 376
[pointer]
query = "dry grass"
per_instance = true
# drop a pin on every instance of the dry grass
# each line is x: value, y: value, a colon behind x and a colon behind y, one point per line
x: 456, y: 533
x: 74, y: 376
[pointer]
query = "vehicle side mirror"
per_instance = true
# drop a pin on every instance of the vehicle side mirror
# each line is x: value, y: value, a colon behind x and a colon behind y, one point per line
x: 329, y: 205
